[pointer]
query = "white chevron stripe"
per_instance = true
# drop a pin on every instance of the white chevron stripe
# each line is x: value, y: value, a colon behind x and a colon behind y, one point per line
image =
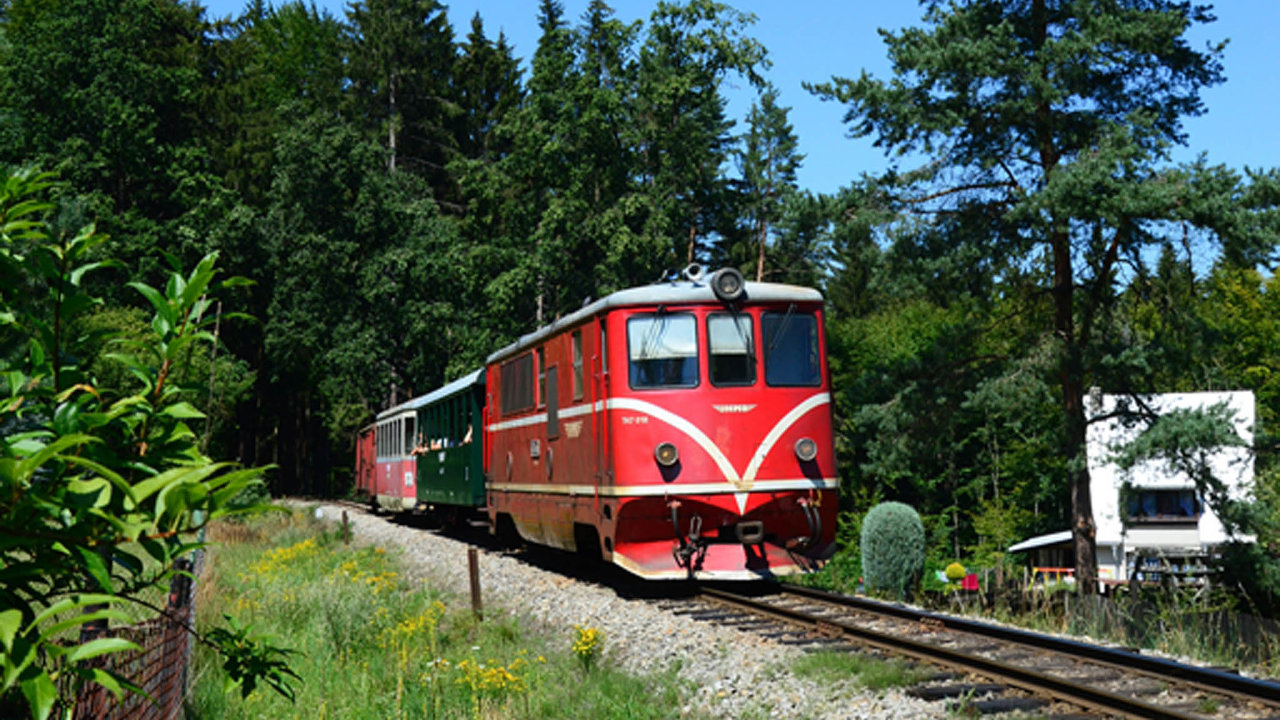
x: 783, y: 425
x: 693, y: 431
x: 740, y: 485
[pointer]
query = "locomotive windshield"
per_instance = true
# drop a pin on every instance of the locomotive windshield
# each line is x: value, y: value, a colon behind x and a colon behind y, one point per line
x: 663, y: 350
x: 791, y: 349
x: 731, y: 350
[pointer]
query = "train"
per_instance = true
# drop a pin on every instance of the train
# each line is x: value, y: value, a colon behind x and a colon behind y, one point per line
x: 680, y: 430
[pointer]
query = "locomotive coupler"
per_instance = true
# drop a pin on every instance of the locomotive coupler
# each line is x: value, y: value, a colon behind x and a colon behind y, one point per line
x: 808, y: 506
x: 691, y: 545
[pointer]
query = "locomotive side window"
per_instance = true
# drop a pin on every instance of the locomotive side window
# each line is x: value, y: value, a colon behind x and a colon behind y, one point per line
x: 663, y: 350
x: 516, y: 393
x: 542, y: 377
x: 791, y: 349
x: 730, y: 349
x: 577, y: 364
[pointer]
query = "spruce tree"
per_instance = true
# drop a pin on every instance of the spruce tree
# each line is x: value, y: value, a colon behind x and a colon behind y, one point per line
x: 1044, y: 128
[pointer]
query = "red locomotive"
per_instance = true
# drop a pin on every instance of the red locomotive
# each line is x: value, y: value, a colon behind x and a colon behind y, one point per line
x: 679, y: 430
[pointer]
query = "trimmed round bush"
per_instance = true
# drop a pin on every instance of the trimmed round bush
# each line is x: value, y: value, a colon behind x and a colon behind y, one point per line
x: 954, y: 572
x: 892, y: 550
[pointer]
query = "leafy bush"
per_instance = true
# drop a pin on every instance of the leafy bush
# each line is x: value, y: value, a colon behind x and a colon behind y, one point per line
x: 101, y: 488
x: 892, y: 550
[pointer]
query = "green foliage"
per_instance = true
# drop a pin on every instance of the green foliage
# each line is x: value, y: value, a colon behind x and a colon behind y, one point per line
x: 1045, y: 166
x: 249, y: 657
x: 101, y: 489
x: 893, y: 546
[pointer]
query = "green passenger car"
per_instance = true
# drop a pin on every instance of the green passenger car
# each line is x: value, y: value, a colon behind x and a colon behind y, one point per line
x: 450, y: 447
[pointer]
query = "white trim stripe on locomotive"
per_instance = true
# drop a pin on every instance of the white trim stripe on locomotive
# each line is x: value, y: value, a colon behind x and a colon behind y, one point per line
x: 541, y: 418
x: 711, y: 488
x: 743, y: 483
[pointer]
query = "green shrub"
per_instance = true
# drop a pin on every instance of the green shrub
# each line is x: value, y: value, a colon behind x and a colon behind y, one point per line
x: 892, y: 550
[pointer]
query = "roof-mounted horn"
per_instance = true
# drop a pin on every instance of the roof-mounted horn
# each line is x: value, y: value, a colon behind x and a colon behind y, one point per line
x: 693, y: 272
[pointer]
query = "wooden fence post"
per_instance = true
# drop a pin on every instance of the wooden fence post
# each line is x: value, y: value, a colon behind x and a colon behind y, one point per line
x: 473, y: 565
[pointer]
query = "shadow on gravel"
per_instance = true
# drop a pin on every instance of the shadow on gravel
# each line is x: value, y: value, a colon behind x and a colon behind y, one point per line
x: 574, y: 566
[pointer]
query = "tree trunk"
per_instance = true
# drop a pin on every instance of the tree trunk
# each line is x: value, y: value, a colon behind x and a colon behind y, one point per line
x: 1071, y: 372
x: 760, y: 257
x: 1072, y: 379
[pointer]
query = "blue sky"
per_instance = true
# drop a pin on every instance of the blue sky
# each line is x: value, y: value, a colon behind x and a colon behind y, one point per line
x: 812, y: 41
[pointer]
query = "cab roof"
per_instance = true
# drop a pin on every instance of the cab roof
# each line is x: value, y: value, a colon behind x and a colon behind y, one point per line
x: 680, y: 292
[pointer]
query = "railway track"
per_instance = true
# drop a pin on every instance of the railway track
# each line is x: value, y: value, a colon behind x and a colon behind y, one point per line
x: 989, y: 668
x: 1015, y: 669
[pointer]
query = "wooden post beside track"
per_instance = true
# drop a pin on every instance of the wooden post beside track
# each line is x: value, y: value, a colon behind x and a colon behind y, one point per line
x: 473, y: 564
x: 346, y: 529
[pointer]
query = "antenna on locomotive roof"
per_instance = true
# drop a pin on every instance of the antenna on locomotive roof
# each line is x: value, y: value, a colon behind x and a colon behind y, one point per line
x: 694, y: 272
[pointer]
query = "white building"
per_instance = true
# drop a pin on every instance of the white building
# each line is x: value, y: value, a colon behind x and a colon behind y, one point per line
x: 1162, y: 522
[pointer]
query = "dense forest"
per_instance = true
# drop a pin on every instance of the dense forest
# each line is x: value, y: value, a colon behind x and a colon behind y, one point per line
x: 405, y: 199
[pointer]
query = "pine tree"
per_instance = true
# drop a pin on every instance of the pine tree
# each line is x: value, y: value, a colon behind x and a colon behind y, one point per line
x: 768, y: 161
x: 401, y: 64
x: 1044, y: 125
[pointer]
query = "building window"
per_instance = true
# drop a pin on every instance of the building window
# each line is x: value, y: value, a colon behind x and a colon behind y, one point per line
x: 1146, y: 505
x: 663, y: 350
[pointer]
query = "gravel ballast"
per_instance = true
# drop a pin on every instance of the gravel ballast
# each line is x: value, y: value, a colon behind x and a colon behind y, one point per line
x: 734, y: 673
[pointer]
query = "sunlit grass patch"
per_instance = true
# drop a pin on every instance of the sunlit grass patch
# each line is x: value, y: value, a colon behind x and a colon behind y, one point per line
x: 873, y: 673
x: 373, y: 644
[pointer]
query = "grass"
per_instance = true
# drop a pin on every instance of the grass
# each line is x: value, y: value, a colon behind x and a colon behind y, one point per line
x: 828, y: 666
x: 372, y: 644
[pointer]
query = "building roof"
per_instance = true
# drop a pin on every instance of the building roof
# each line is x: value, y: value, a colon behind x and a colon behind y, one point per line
x: 1039, y: 541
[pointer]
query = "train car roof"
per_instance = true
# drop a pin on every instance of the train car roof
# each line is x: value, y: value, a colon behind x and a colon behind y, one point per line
x: 474, y: 378
x: 678, y: 292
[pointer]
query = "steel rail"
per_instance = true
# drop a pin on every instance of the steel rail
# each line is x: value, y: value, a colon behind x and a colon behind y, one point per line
x: 1029, y: 680
x: 1208, y: 679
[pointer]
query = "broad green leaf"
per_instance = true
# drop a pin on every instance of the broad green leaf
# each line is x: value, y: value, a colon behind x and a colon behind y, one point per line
x: 157, y: 300
x: 67, y: 603
x: 96, y: 565
x: 200, y: 279
x: 29, y: 465
x: 85, y: 619
x: 40, y: 694
x: 182, y: 411
x: 10, y: 622
x: 95, y: 492
x: 167, y: 480
x: 108, y: 681
x: 101, y: 646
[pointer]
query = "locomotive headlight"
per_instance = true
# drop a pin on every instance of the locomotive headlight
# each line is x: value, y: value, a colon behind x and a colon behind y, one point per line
x: 806, y: 449
x: 728, y: 285
x: 666, y: 454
